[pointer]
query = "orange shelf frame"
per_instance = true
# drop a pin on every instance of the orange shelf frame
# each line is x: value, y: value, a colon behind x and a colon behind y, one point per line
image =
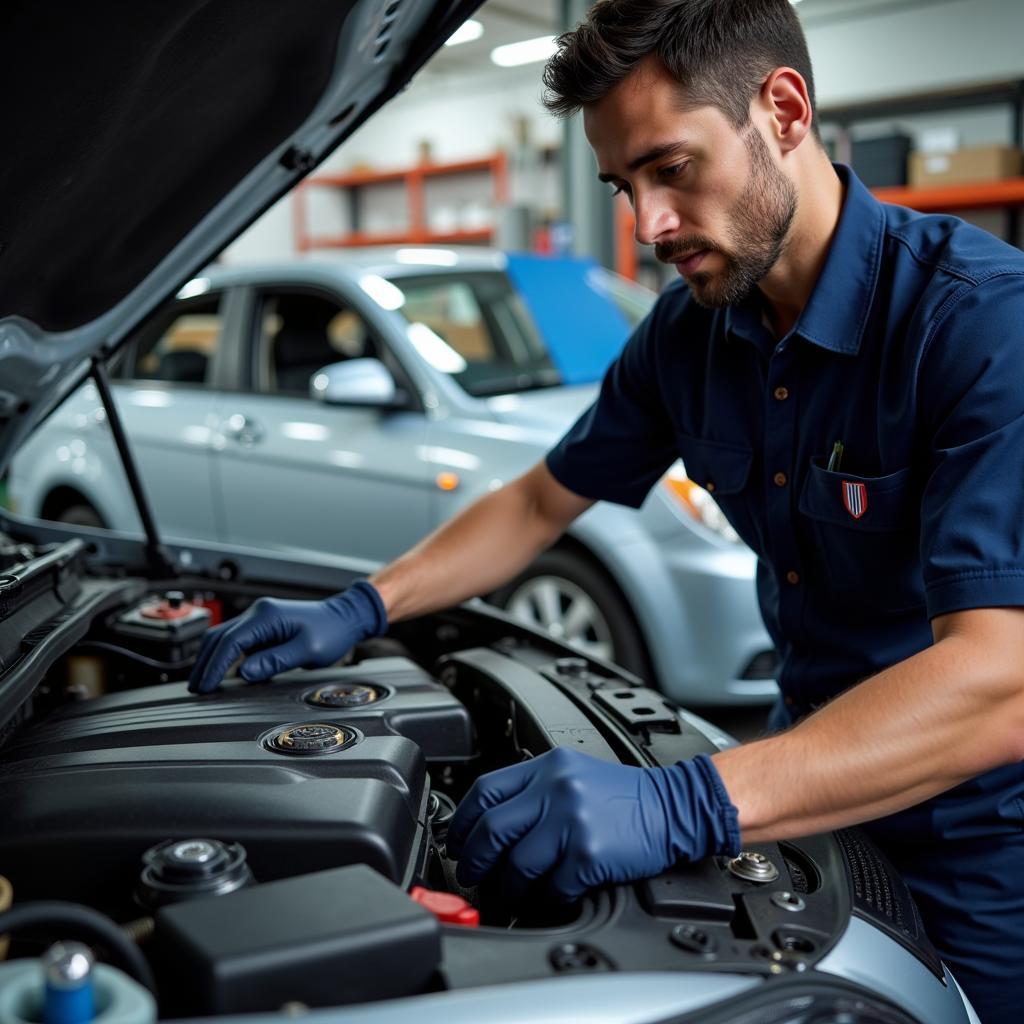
x: 984, y: 195
x: 414, y: 179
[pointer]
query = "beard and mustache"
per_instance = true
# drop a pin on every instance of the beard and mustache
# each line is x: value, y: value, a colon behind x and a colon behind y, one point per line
x: 760, y: 221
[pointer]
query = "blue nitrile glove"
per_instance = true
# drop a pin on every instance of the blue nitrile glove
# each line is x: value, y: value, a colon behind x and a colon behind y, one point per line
x: 291, y: 634
x: 584, y: 822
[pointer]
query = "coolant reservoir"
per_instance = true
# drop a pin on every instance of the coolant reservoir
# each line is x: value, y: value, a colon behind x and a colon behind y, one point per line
x: 119, y: 999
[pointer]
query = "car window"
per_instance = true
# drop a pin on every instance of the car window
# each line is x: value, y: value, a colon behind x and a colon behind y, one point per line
x: 301, y: 333
x: 178, y: 346
x: 477, y: 329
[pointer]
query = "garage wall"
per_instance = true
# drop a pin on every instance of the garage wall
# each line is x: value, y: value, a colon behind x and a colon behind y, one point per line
x: 905, y: 46
x: 917, y: 46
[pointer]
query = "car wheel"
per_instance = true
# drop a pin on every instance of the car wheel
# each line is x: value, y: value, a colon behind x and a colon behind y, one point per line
x: 563, y: 593
x: 81, y: 514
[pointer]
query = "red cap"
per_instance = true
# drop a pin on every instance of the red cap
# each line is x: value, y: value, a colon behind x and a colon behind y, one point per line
x: 446, y: 907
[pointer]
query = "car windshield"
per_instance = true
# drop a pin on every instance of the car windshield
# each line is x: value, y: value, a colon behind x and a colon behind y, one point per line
x: 545, y: 322
x: 476, y: 328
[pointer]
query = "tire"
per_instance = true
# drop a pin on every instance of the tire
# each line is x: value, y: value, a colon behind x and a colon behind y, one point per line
x: 564, y: 590
x: 81, y: 514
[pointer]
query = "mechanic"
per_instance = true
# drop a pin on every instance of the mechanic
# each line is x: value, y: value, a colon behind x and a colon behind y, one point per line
x: 847, y: 379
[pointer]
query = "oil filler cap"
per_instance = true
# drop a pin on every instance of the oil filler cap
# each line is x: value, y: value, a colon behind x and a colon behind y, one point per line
x: 446, y: 906
x: 344, y: 695
x: 309, y: 738
x: 753, y: 867
x: 181, y: 869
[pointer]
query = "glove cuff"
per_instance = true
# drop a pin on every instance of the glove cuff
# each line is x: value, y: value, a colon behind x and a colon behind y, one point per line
x: 366, y: 596
x: 726, y: 819
x: 700, y: 819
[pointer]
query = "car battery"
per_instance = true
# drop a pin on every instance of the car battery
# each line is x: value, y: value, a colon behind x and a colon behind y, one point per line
x: 164, y: 627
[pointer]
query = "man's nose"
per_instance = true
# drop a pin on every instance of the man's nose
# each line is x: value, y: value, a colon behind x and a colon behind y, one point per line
x: 655, y: 219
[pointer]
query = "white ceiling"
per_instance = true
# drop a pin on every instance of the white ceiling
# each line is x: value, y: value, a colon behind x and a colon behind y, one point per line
x: 504, y: 21
x: 510, y: 21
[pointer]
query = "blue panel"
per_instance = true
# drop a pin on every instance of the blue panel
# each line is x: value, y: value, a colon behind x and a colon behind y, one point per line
x: 583, y: 327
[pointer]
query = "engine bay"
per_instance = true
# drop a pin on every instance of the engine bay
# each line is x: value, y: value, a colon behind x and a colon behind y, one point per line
x: 283, y: 842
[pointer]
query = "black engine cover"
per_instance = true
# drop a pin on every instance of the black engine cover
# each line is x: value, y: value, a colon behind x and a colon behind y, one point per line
x: 88, y: 790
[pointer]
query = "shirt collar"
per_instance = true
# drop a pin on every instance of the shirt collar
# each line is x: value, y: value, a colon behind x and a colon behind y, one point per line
x: 837, y: 312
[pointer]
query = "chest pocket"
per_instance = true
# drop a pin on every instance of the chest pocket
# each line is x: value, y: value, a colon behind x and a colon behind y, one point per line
x: 867, y: 534
x: 723, y: 470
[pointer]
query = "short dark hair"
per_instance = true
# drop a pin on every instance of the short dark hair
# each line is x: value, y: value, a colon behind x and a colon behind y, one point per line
x: 720, y: 51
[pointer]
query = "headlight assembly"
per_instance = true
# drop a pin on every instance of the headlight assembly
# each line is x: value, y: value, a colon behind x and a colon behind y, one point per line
x: 696, y: 503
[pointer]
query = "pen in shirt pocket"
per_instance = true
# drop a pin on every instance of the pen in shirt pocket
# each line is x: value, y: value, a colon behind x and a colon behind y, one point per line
x: 835, y: 458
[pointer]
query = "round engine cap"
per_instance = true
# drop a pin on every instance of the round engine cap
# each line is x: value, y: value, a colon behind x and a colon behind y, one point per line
x: 179, y: 869
x: 310, y: 738
x: 440, y: 811
x: 192, y: 852
x: 753, y: 867
x: 344, y: 695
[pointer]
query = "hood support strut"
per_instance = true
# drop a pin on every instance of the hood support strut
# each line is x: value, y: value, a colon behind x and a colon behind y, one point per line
x: 159, y: 557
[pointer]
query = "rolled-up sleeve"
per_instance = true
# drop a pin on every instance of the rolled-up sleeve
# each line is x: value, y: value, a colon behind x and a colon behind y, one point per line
x: 621, y: 445
x: 972, y: 401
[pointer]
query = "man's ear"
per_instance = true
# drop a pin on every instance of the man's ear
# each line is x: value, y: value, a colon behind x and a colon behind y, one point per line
x: 785, y: 100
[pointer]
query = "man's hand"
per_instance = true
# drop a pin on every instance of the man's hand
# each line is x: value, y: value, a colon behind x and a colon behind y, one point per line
x: 583, y: 822
x: 289, y: 634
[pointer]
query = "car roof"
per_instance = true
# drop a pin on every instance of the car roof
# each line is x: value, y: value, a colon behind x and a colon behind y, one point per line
x: 352, y: 264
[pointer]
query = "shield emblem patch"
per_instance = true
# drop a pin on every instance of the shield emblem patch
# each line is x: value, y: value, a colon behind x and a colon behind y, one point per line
x: 855, y: 498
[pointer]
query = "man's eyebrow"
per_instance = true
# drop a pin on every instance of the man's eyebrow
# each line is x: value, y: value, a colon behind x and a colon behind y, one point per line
x: 655, y: 153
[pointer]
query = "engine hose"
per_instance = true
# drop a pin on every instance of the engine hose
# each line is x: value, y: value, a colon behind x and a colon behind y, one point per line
x: 84, y: 923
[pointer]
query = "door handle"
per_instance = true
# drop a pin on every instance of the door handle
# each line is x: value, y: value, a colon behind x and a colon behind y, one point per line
x: 247, y: 432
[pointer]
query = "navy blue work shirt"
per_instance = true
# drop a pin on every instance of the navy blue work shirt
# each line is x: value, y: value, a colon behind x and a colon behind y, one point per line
x: 911, y: 353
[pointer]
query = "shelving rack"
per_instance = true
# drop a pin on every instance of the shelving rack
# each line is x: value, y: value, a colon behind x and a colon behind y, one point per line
x: 987, y: 195
x: 1008, y: 195
x: 354, y: 184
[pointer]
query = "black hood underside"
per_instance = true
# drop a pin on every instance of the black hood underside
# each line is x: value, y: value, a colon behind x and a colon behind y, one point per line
x: 126, y: 123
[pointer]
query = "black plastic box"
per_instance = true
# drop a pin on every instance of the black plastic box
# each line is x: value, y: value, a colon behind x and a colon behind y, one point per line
x: 882, y: 161
x: 334, y: 937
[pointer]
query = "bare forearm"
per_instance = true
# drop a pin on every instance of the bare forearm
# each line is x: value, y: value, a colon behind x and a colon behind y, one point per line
x: 909, y: 733
x: 484, y: 546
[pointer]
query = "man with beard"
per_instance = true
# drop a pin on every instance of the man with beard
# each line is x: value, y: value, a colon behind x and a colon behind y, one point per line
x: 847, y: 379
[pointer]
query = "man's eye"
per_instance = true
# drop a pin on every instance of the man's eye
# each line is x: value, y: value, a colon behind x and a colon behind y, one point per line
x: 674, y: 170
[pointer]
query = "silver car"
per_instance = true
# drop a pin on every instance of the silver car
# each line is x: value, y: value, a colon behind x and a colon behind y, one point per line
x: 350, y: 406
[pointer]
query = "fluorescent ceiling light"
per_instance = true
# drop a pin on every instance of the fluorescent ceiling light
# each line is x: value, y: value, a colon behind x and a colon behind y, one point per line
x: 466, y: 33
x: 526, y: 52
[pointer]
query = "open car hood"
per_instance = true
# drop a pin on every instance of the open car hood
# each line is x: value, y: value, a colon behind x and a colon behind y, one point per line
x: 148, y: 136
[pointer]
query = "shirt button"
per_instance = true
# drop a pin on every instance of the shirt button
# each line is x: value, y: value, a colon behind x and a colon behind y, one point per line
x: 792, y: 577
x: 781, y: 394
x: 780, y: 479
x: 709, y: 487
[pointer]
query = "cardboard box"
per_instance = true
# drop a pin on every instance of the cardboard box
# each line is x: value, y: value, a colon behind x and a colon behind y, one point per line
x: 964, y: 166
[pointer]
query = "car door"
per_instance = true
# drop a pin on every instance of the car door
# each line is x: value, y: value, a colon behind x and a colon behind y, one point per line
x: 163, y: 391
x: 296, y: 473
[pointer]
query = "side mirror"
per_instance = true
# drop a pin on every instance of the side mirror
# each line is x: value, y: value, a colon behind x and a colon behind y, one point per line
x: 355, y: 382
